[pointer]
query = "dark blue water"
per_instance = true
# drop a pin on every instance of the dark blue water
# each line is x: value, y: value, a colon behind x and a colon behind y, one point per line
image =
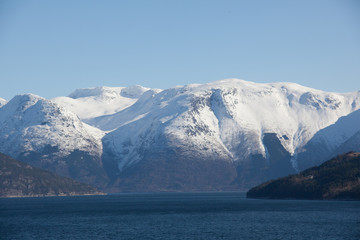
x: 177, y: 216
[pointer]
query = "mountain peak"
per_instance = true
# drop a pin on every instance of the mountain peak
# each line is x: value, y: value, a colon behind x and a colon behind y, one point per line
x: 96, y: 92
x: 232, y: 119
x: 109, y: 92
x: 28, y: 97
x: 19, y: 103
x: 133, y: 91
x: 90, y: 103
x: 2, y: 102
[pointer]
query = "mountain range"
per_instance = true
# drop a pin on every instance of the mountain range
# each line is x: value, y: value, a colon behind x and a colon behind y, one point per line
x: 225, y: 135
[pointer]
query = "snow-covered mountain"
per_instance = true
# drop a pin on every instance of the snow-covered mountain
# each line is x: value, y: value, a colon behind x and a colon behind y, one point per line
x: 351, y: 144
x: 341, y: 137
x: 225, y: 135
x: 40, y: 132
x: 2, y: 102
x: 259, y: 128
x: 89, y: 103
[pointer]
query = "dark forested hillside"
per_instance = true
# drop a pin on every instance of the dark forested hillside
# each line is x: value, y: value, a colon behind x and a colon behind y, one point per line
x: 338, y: 178
x: 18, y: 179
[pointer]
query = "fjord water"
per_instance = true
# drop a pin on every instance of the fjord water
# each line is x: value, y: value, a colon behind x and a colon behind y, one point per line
x: 177, y: 216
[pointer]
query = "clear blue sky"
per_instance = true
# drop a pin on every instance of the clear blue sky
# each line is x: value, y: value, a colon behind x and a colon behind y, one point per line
x: 50, y: 48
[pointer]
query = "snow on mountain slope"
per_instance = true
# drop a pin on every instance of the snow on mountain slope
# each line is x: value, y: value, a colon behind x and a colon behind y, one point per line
x: 93, y: 102
x: 229, y: 117
x: 225, y: 135
x: 2, y: 102
x: 113, y: 121
x: 351, y: 144
x: 337, y: 138
x: 40, y: 132
x: 257, y: 127
x: 30, y: 122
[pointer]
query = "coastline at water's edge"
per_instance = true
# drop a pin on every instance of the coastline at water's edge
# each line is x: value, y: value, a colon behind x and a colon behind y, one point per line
x: 54, y: 195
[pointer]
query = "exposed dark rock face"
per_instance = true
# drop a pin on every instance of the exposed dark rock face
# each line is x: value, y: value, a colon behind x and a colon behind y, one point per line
x: 259, y: 169
x: 279, y: 158
x: 338, y: 178
x: 18, y: 179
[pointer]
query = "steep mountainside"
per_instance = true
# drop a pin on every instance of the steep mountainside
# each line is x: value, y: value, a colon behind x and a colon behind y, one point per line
x: 338, y: 178
x: 352, y: 144
x: 225, y: 135
x: 18, y: 179
x: 251, y: 130
x: 40, y: 132
x: 338, y: 138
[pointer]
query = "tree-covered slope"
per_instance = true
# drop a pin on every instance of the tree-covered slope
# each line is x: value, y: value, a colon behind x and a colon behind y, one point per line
x: 18, y: 179
x: 338, y: 178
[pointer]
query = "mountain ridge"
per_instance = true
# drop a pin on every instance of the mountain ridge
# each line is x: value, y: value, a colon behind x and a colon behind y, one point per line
x: 252, y: 131
x: 39, y: 132
x: 89, y: 103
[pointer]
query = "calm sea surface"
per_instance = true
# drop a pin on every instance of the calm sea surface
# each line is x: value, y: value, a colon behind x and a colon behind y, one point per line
x: 177, y: 216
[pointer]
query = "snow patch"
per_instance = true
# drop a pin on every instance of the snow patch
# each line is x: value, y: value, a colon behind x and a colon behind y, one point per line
x: 90, y: 103
x: 2, y: 102
x: 133, y: 91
